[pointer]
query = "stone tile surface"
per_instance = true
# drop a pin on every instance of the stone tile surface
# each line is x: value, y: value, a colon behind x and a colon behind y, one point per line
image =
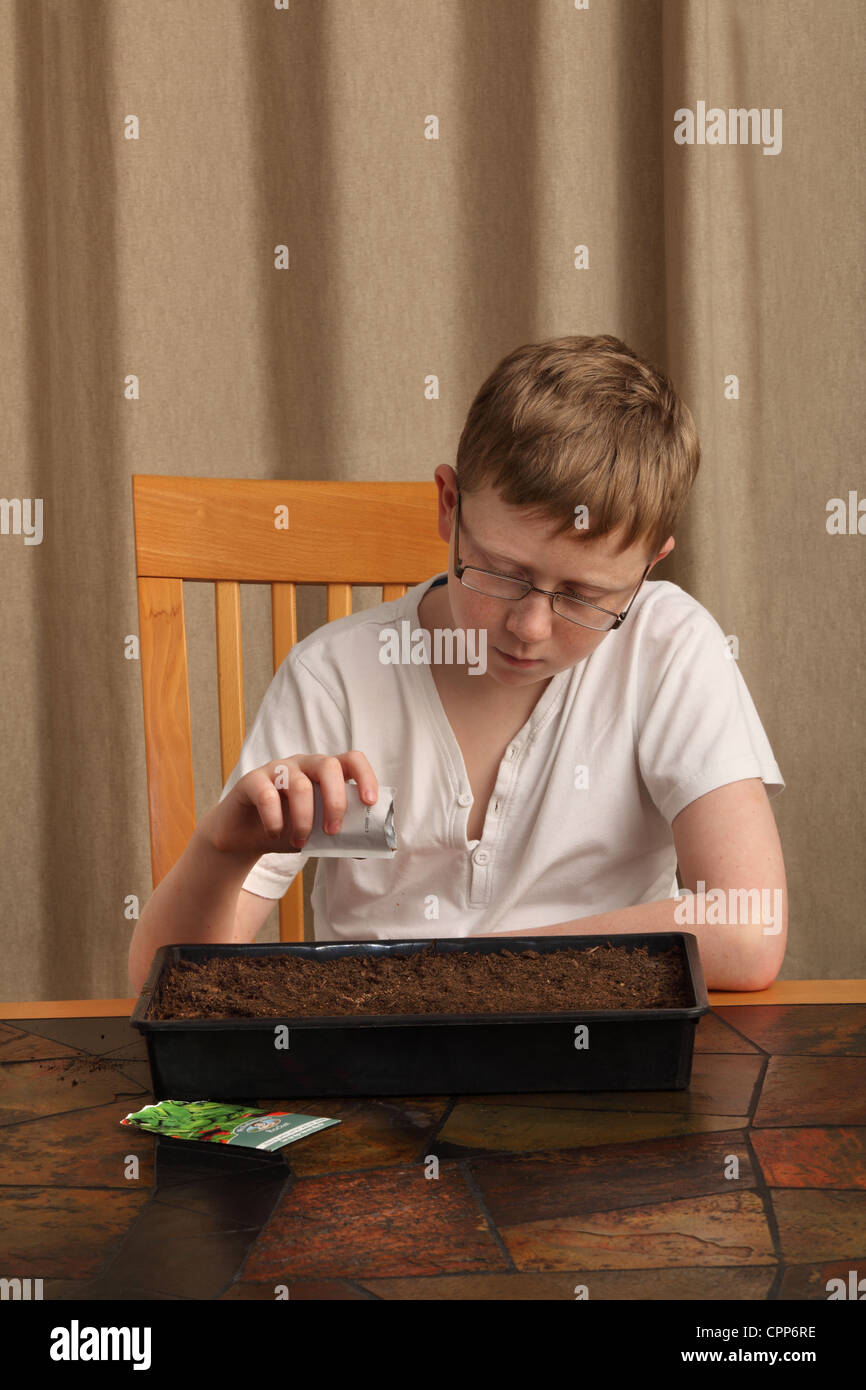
x: 387, y: 1221
x: 813, y: 1091
x: 749, y: 1185
x: 823, y: 1029
x: 728, y: 1229
x: 812, y: 1157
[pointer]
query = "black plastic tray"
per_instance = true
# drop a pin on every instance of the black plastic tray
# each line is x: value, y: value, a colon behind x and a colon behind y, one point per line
x: 422, y: 1054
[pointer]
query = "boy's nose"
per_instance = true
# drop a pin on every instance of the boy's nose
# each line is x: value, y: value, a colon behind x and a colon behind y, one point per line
x: 531, y: 619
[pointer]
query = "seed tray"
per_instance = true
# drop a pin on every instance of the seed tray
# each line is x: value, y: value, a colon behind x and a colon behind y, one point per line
x: 422, y: 1054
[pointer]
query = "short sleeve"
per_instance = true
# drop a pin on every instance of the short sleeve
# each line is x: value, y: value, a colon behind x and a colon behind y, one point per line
x: 297, y: 715
x: 697, y: 726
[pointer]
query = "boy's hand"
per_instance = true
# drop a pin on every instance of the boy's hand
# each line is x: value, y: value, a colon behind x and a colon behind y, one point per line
x: 270, y: 810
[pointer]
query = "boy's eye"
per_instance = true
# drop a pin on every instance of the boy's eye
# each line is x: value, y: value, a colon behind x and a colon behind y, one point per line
x: 588, y: 598
x: 572, y: 593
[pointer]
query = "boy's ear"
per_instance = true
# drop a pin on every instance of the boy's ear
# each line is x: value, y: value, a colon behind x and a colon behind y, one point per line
x: 665, y: 550
x: 446, y: 478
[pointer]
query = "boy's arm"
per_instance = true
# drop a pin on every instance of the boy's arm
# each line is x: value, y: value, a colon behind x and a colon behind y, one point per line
x: 728, y: 840
x: 199, y: 900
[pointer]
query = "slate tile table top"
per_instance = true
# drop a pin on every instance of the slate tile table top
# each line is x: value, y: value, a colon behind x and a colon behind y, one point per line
x: 750, y: 1185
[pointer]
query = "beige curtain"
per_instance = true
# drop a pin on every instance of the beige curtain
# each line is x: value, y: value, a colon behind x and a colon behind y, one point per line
x: 416, y: 247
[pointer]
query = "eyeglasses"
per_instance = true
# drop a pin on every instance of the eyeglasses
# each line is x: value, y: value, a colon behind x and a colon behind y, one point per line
x: 574, y: 610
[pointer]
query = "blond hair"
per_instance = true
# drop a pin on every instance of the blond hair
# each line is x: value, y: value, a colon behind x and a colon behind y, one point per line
x: 583, y: 421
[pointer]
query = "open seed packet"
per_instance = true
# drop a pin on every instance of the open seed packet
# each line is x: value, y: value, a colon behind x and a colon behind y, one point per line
x: 367, y: 832
x: 224, y: 1123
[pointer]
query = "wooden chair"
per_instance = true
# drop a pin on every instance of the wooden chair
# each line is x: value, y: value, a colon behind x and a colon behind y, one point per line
x: 233, y: 531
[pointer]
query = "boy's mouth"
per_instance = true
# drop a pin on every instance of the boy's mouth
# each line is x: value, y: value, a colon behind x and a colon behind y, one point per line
x: 517, y: 661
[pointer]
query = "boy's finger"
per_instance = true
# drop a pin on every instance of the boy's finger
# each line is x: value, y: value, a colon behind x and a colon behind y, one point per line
x: 331, y: 776
x: 269, y: 805
x: 258, y: 789
x: 300, y: 794
x: 364, y: 775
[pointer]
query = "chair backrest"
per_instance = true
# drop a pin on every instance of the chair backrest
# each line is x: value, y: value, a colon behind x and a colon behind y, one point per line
x: 233, y: 531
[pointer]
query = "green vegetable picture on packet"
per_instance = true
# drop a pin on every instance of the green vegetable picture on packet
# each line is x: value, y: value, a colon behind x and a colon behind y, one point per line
x: 223, y: 1123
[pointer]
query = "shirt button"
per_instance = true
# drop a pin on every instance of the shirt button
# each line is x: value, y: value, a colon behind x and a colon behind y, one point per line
x: 481, y: 857
x: 510, y: 753
x: 464, y: 799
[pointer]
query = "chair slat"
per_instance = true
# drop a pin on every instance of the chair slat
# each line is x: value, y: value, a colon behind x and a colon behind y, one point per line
x: 167, y: 730
x: 284, y: 622
x: 392, y: 591
x: 339, y: 601
x: 230, y: 672
x: 284, y: 635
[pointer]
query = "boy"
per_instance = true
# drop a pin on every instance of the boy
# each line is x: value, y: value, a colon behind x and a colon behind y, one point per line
x: 553, y: 787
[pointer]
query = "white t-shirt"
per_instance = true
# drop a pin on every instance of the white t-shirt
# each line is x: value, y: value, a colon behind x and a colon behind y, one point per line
x: 657, y: 715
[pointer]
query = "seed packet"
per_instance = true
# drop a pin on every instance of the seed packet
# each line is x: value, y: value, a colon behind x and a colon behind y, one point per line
x: 367, y: 832
x: 223, y: 1123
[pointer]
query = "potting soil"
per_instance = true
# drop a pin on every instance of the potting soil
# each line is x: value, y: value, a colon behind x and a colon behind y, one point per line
x: 471, y: 982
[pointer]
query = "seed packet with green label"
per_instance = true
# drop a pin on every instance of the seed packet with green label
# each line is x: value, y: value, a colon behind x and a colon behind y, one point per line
x: 225, y: 1124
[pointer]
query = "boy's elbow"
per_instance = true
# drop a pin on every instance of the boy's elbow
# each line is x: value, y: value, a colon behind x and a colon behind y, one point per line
x: 766, y: 960
x: 761, y: 979
x: 765, y: 941
x: 140, y: 956
x: 751, y: 965
x: 745, y: 978
x: 137, y: 973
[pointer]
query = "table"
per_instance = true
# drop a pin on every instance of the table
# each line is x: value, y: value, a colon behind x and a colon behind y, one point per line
x: 750, y: 1185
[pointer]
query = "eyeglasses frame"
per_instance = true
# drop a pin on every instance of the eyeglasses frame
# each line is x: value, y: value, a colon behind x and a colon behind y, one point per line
x: 459, y: 570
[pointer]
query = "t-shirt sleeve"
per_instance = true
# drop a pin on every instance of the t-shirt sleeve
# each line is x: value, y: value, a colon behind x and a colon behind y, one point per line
x: 297, y: 715
x: 698, y: 728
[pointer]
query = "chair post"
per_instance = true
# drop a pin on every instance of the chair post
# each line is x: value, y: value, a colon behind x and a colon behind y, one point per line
x: 167, y: 730
x: 284, y: 635
x: 230, y: 672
